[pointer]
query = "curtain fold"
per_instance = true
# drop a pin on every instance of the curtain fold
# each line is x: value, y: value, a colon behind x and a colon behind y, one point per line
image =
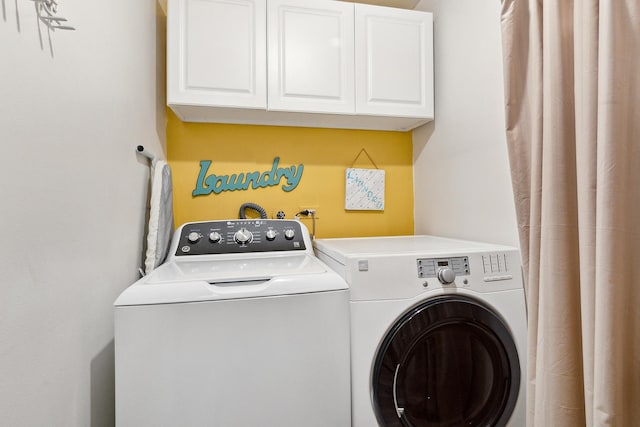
x: 572, y: 104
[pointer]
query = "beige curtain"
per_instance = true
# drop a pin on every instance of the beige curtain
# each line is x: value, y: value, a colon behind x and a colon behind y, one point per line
x: 572, y: 80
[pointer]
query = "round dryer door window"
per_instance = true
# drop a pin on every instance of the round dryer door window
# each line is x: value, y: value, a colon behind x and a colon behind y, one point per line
x: 450, y: 361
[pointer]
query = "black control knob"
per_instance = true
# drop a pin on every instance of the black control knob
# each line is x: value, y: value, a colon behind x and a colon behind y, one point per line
x: 243, y: 236
x: 193, y: 237
x: 215, y: 237
x: 271, y: 235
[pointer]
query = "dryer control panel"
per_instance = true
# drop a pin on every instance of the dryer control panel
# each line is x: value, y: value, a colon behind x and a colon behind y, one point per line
x: 438, y: 267
x: 240, y: 236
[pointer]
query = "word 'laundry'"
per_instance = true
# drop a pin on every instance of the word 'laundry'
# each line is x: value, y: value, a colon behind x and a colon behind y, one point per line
x: 212, y: 183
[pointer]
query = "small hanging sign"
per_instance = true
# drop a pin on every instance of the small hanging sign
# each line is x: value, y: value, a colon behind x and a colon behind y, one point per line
x: 364, y: 189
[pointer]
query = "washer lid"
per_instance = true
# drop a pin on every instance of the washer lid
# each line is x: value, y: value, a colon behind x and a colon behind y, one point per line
x: 241, y: 267
x: 211, y: 279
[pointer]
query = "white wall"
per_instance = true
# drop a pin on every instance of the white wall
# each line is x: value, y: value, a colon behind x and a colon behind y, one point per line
x: 72, y: 199
x: 461, y: 171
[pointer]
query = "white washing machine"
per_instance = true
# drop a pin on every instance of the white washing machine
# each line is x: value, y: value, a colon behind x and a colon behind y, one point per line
x: 438, y: 330
x: 242, y: 326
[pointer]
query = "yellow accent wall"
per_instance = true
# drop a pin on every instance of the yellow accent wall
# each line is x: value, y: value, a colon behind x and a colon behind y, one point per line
x: 325, y: 154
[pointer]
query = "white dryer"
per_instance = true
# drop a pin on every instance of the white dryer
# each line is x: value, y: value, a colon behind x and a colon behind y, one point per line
x: 438, y: 330
x: 242, y: 326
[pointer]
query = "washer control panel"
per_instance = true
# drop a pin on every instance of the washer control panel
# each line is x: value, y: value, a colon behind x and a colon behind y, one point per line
x: 240, y: 236
x: 445, y: 269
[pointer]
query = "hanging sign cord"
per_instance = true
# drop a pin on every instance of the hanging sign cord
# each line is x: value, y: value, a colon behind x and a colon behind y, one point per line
x: 367, y: 154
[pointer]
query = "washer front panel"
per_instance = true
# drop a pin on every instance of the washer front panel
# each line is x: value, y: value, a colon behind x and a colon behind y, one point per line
x: 278, y: 361
x: 449, y: 361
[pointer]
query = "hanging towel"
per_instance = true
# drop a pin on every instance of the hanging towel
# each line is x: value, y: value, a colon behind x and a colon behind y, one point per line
x: 160, y: 226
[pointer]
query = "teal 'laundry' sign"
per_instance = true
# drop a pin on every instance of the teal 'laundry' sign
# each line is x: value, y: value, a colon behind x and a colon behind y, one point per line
x: 288, y: 177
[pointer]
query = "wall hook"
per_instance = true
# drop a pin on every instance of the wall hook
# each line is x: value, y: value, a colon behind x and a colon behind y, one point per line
x: 367, y: 154
x: 140, y: 150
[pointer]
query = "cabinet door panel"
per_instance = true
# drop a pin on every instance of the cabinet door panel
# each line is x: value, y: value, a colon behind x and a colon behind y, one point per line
x: 394, y: 62
x: 217, y: 52
x: 310, y: 51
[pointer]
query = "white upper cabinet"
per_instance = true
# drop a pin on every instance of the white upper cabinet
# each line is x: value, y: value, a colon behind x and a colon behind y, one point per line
x: 394, y: 61
x: 216, y: 53
x: 310, y: 56
x: 314, y: 63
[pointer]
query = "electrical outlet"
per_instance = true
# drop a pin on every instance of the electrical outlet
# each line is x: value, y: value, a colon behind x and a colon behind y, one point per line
x: 309, y: 208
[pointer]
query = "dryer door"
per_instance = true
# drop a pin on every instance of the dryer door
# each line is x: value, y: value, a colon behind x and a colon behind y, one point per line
x: 451, y: 361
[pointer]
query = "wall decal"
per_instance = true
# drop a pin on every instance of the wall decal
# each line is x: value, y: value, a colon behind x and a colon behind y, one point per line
x: 17, y: 14
x: 212, y: 183
x: 47, y: 17
x: 47, y: 12
x: 364, y: 189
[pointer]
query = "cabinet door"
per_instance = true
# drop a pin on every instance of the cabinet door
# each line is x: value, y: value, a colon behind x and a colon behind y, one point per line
x: 216, y: 53
x: 394, y: 61
x: 310, y: 56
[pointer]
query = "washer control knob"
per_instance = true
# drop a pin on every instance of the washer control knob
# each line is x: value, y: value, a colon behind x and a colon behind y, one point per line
x: 446, y: 275
x: 215, y: 237
x: 289, y: 233
x: 193, y: 237
x: 243, y: 236
x: 271, y: 235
